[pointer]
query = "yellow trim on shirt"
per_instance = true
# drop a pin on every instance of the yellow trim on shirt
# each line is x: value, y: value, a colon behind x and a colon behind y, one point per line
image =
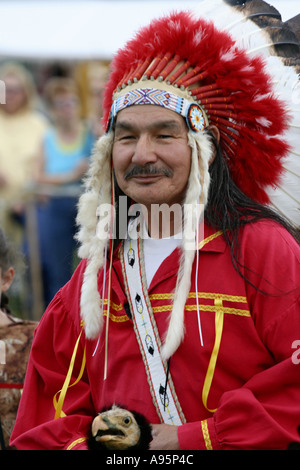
x: 189, y: 308
x: 78, y: 441
x: 203, y: 295
x: 209, y: 239
x: 204, y: 308
x: 206, y: 436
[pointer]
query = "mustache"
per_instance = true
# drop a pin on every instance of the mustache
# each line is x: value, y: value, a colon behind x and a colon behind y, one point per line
x: 138, y: 170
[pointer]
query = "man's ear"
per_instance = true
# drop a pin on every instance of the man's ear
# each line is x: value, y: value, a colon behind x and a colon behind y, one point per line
x: 7, y: 279
x: 216, y: 134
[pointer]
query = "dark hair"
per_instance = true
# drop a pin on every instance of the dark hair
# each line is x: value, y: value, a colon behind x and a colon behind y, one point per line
x: 229, y: 209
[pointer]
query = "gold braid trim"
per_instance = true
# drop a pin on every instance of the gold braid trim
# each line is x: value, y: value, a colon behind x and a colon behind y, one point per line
x: 203, y: 295
x: 204, y: 308
x: 209, y: 239
x: 78, y: 441
x: 205, y: 433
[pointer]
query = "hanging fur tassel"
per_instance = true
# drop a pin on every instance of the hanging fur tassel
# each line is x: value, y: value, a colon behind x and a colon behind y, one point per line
x: 197, y: 192
x: 98, y: 188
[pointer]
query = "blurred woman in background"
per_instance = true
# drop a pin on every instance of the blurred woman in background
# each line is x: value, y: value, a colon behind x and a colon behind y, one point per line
x: 63, y: 161
x: 22, y: 129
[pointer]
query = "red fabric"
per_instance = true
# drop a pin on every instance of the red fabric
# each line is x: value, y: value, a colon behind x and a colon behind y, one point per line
x: 6, y: 385
x: 256, y: 385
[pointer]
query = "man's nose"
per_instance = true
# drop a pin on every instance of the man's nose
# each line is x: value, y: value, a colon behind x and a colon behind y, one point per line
x: 144, y: 151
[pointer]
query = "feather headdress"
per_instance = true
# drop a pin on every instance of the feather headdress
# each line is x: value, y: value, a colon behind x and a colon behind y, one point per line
x: 184, y: 63
x: 256, y: 26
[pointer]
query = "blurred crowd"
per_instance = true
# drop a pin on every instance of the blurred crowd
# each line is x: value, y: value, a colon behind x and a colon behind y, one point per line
x: 49, y: 122
x: 48, y: 125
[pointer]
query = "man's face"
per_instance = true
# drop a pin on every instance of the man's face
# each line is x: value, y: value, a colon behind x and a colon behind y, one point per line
x: 151, y: 155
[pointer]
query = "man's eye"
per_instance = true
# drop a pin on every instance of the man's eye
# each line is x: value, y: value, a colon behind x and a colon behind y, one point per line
x: 164, y: 136
x: 126, y: 137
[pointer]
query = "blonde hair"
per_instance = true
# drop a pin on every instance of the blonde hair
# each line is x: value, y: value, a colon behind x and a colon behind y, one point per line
x: 14, y: 69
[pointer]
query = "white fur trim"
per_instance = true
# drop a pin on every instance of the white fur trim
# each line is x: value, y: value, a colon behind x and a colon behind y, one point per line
x: 98, y: 191
x: 197, y: 192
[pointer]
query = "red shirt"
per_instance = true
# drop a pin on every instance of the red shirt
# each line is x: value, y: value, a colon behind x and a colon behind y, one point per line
x: 255, y: 386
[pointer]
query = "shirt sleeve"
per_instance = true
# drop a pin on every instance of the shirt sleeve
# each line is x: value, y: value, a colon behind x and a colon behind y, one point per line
x: 265, y: 412
x: 52, y: 348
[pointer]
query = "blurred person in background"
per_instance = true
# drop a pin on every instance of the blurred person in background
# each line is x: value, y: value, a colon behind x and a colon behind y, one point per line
x: 22, y: 129
x: 63, y: 161
x: 16, y: 338
x: 97, y: 76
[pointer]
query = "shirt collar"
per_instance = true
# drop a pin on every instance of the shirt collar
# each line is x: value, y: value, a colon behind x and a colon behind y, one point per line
x: 212, y: 240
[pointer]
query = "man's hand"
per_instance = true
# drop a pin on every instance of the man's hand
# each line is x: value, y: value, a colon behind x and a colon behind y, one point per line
x: 164, y: 437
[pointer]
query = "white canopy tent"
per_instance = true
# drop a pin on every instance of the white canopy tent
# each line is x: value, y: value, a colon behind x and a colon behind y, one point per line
x: 74, y: 30
x: 84, y: 29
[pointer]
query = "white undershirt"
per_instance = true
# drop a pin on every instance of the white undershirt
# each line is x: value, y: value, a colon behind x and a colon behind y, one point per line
x: 156, y: 250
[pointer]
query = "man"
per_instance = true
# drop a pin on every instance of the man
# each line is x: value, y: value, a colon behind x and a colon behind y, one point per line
x: 203, y: 315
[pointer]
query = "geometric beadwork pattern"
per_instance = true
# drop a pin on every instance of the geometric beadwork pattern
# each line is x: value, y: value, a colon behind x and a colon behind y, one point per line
x: 192, y: 112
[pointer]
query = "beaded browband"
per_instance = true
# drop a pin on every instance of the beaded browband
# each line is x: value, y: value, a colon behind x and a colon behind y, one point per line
x: 193, y: 113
